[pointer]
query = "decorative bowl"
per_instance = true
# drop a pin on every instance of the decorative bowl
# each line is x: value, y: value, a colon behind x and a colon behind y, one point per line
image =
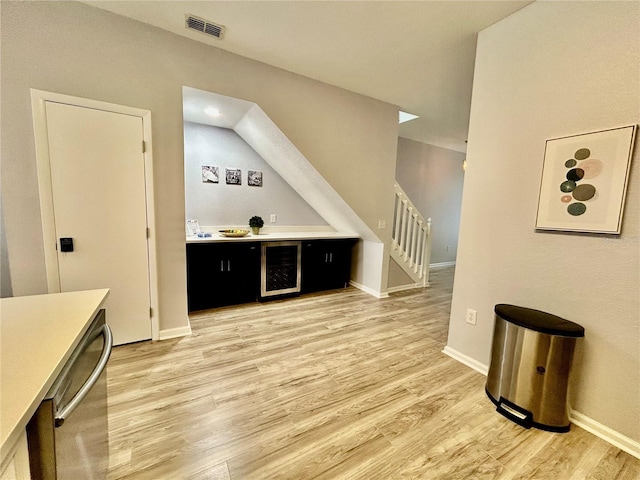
x: 233, y: 233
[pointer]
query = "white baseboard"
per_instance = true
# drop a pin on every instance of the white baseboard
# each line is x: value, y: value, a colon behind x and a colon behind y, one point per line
x: 402, y: 288
x: 607, y: 434
x: 442, y: 264
x: 175, y: 332
x: 368, y: 290
x: 466, y: 360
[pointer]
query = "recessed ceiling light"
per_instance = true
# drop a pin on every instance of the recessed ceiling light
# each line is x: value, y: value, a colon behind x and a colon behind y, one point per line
x: 214, y: 112
x: 405, y: 117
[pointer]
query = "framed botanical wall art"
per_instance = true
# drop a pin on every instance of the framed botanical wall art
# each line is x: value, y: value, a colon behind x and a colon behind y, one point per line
x: 584, y: 181
x: 234, y: 176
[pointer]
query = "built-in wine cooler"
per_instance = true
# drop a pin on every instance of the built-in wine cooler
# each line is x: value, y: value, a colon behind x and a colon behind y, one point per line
x: 280, y: 270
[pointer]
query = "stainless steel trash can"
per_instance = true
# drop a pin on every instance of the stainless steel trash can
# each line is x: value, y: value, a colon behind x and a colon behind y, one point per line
x: 531, y: 359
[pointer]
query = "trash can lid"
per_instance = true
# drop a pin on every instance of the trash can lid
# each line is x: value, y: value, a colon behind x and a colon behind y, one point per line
x: 539, y: 321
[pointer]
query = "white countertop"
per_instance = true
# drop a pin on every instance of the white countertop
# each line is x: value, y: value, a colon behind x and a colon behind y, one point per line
x: 274, y: 237
x: 37, y: 336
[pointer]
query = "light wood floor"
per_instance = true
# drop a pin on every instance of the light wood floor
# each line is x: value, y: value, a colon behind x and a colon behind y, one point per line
x: 337, y: 385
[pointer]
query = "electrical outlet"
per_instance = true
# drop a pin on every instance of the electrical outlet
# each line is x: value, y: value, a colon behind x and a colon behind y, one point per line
x: 274, y: 218
x: 382, y: 224
x: 471, y: 316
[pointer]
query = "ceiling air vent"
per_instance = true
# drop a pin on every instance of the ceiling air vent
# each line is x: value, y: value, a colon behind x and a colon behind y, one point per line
x: 204, y: 26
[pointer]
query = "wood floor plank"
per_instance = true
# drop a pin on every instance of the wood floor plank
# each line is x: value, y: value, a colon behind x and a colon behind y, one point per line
x: 333, y: 385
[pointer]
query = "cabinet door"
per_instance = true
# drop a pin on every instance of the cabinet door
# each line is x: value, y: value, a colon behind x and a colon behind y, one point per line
x: 222, y: 274
x: 197, y: 268
x: 240, y: 281
x: 326, y: 264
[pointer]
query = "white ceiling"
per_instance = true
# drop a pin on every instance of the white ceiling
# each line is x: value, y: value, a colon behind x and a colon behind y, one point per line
x: 418, y: 55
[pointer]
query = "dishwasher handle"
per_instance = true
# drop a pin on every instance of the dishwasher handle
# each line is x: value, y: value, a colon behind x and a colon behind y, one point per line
x: 93, y: 378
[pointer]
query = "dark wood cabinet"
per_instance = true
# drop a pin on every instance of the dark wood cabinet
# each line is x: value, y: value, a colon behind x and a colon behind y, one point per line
x: 220, y: 274
x: 326, y: 264
x: 229, y: 273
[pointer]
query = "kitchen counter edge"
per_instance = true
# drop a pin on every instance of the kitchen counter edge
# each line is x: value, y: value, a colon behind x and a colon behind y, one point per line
x: 27, y: 325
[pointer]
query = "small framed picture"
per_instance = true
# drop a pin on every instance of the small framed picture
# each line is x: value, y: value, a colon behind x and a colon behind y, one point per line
x: 193, y: 227
x: 234, y: 176
x: 209, y: 174
x: 254, y: 178
x: 584, y: 181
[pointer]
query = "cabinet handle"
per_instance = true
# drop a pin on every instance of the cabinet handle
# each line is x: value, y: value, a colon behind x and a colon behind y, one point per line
x: 326, y: 258
x: 228, y: 265
x: 222, y: 265
x: 331, y: 258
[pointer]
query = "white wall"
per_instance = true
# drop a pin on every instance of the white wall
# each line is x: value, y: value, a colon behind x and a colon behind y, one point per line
x: 553, y: 69
x: 398, y: 277
x: 432, y: 177
x: 5, y: 272
x: 219, y: 204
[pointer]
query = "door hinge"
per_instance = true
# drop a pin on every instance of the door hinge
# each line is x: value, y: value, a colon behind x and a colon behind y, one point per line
x: 150, y: 312
x: 148, y: 233
x: 144, y: 146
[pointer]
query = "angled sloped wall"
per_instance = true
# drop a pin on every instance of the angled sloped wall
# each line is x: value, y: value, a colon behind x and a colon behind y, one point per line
x: 257, y: 129
x: 225, y: 205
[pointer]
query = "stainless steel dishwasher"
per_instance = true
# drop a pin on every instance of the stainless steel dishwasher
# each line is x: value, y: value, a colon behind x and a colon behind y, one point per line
x: 68, y: 435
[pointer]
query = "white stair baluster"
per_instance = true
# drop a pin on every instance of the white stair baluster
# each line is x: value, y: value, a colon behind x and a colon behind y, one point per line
x: 411, y: 238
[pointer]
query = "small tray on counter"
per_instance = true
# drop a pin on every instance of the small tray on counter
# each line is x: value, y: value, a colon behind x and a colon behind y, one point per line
x: 233, y: 233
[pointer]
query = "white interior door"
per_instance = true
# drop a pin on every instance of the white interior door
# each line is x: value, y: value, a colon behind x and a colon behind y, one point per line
x: 98, y: 192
